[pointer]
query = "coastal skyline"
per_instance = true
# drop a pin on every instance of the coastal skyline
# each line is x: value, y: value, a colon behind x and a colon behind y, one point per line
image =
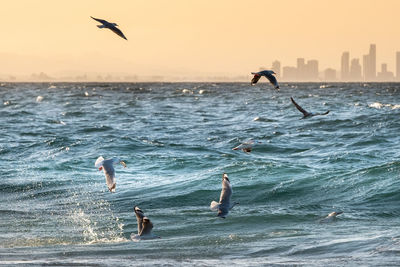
x: 191, y: 39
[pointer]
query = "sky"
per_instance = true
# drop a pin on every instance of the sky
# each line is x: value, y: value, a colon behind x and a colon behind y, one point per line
x: 188, y: 37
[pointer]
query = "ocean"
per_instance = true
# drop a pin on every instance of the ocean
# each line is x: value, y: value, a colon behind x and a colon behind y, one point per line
x: 177, y: 140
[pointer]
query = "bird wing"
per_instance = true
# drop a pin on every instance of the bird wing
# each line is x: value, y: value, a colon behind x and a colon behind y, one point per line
x: 272, y: 79
x: 139, y: 217
x: 147, y: 226
x: 102, y: 21
x: 305, y: 113
x: 255, y: 78
x: 99, y: 162
x: 109, y: 172
x: 118, y: 32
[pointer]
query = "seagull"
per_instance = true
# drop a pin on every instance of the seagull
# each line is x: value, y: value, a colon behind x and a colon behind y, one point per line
x: 268, y: 75
x: 224, y: 204
x: 107, y: 166
x: 245, y: 146
x: 144, y: 226
x: 111, y: 26
x: 331, y: 217
x: 305, y: 113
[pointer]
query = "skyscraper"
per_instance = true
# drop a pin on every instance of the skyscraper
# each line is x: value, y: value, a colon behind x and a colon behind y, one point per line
x: 345, y: 64
x: 301, y: 69
x: 355, y: 70
x: 369, y: 64
x: 312, y: 70
x: 276, y: 67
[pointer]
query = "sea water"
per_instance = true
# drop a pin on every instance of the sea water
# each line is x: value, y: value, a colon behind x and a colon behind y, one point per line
x: 177, y: 140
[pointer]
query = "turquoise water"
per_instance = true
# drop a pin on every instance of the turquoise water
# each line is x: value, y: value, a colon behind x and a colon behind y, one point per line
x: 177, y: 140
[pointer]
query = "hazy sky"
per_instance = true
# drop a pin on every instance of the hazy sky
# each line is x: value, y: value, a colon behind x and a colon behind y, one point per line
x: 187, y: 37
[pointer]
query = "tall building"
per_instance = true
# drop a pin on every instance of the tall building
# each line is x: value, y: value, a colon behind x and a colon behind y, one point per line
x: 398, y: 65
x: 289, y: 73
x: 276, y: 67
x: 345, y: 64
x: 369, y: 64
x: 385, y: 75
x: 312, y: 70
x: 330, y: 75
x: 301, y: 69
x: 355, y: 70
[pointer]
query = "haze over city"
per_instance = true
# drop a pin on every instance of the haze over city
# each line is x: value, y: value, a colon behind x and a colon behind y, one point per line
x: 180, y: 40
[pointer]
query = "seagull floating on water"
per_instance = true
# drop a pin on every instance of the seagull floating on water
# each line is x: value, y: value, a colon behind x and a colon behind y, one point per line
x: 144, y: 226
x: 224, y: 204
x: 305, y: 113
x: 246, y: 146
x: 111, y: 26
x: 268, y: 74
x: 331, y: 217
x: 107, y: 166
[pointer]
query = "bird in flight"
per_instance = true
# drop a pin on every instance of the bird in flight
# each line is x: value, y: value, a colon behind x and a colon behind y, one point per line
x: 111, y: 26
x: 268, y: 74
x: 306, y: 114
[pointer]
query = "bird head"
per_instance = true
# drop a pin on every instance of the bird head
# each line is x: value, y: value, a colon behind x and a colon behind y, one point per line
x: 225, y: 176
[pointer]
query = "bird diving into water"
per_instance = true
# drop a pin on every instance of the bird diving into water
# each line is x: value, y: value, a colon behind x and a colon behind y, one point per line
x: 111, y: 26
x: 267, y: 74
x: 224, y: 204
x: 305, y: 113
x: 144, y: 226
x: 107, y: 166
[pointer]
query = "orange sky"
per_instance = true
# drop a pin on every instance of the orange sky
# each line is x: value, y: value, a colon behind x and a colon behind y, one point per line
x: 187, y: 37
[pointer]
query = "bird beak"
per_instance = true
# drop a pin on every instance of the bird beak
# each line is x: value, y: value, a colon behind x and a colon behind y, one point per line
x: 100, y: 168
x: 123, y: 164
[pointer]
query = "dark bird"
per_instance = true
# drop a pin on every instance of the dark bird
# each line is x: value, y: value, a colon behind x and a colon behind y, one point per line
x: 224, y: 204
x: 268, y: 74
x: 305, y: 113
x: 111, y: 26
x: 144, y: 226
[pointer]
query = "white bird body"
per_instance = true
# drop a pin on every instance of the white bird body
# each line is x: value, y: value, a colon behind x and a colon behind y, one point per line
x: 331, y: 217
x: 145, y: 226
x: 224, y: 204
x: 107, y: 165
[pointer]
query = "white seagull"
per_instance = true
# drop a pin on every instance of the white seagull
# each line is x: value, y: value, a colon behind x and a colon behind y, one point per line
x: 224, y: 204
x: 305, y: 113
x: 111, y: 26
x: 144, y: 226
x: 331, y: 217
x: 107, y: 166
x: 268, y: 74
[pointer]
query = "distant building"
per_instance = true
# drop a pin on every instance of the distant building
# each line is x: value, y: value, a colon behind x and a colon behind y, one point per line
x: 289, y: 73
x: 276, y: 67
x: 312, y: 70
x: 330, y: 75
x: 301, y: 69
x: 385, y: 75
x: 369, y: 64
x: 355, y: 70
x: 345, y: 66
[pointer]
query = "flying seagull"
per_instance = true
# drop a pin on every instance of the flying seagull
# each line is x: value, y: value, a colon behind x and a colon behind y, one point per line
x: 268, y: 74
x: 331, y: 217
x: 107, y: 166
x: 224, y: 204
x: 144, y: 226
x: 305, y: 113
x: 111, y: 26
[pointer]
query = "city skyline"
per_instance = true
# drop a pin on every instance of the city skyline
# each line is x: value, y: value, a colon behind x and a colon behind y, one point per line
x: 188, y: 39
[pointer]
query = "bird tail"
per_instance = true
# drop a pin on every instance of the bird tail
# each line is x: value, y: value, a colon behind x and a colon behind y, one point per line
x: 214, y: 205
x: 101, y: 26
